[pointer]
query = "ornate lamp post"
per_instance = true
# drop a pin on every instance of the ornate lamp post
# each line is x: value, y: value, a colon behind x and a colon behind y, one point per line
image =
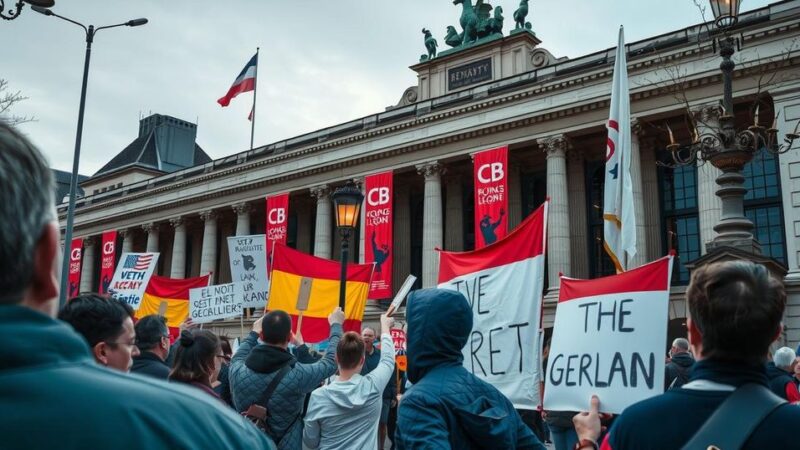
x: 12, y: 14
x: 347, y: 205
x: 729, y: 149
x: 73, y: 186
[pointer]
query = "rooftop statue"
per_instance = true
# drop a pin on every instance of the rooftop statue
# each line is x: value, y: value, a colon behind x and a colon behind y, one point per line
x: 520, y: 14
x: 430, y: 44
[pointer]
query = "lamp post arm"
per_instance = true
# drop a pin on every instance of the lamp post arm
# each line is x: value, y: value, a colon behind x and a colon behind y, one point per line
x: 70, y: 21
x: 105, y: 27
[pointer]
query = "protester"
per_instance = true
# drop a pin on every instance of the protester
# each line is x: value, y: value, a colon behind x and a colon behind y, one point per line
x: 152, y: 338
x: 780, y: 372
x: 222, y: 384
x: 735, y: 312
x: 54, y: 394
x: 797, y: 371
x: 345, y: 414
x: 107, y: 326
x: 681, y: 361
x: 447, y: 406
x: 197, y: 360
x: 255, y: 366
x: 372, y: 358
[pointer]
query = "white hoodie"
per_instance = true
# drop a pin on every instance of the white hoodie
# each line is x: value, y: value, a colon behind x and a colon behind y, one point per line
x: 345, y: 414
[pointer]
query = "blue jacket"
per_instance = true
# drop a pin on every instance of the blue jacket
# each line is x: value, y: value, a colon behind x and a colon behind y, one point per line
x: 54, y: 396
x: 448, y: 407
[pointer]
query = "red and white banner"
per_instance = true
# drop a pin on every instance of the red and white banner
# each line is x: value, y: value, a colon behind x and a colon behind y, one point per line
x: 503, y: 284
x: 378, y: 222
x: 609, y: 338
x: 108, y: 255
x: 277, y: 222
x: 75, y: 256
x: 491, y: 196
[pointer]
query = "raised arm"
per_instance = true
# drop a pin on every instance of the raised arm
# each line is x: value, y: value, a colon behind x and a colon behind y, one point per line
x: 311, y: 375
x: 385, y: 369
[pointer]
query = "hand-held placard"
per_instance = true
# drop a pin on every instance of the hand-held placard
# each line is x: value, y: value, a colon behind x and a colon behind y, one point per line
x: 302, y: 300
x: 401, y: 294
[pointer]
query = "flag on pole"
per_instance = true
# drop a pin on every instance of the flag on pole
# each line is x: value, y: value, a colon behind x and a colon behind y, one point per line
x: 619, y: 226
x: 245, y: 82
x: 173, y: 294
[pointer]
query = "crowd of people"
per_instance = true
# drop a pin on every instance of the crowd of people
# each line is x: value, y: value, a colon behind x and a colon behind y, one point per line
x: 90, y: 376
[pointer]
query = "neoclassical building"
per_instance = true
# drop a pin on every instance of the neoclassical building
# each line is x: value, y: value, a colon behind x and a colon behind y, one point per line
x: 550, y: 111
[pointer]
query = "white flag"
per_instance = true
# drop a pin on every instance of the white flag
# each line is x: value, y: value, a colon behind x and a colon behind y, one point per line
x: 619, y: 225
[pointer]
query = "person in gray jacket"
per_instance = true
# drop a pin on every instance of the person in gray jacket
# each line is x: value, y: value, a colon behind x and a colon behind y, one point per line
x: 344, y: 414
x: 255, y: 365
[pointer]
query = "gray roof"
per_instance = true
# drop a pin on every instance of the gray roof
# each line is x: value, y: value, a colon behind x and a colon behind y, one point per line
x: 62, y: 180
x: 143, y: 153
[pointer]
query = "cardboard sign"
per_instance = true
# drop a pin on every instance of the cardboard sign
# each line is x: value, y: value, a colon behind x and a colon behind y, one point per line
x: 131, y: 277
x: 609, y: 338
x: 401, y: 295
x: 211, y: 303
x: 248, y: 258
x: 503, y: 285
x: 399, y: 338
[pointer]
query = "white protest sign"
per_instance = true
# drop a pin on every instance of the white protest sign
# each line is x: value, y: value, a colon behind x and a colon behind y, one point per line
x: 609, y: 338
x: 215, y: 302
x: 401, y: 294
x: 248, y: 258
x: 503, y: 284
x: 131, y: 277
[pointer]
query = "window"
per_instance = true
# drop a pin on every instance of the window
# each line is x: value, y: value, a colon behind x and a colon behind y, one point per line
x: 678, y: 195
x: 762, y: 203
x: 600, y: 264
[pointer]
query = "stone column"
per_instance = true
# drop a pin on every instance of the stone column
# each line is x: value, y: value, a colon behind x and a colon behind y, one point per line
x: 87, y: 267
x: 152, y: 236
x: 432, y: 222
x: 178, y: 269
x: 709, y: 206
x: 454, y: 214
x: 642, y: 253
x: 242, y: 211
x: 127, y: 240
x: 650, y: 201
x: 558, y: 230
x: 402, y: 236
x: 208, y: 256
x: 576, y: 178
x: 322, y: 240
x: 514, y: 197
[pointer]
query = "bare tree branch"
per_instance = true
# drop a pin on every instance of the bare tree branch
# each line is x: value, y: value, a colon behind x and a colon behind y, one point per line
x: 7, y: 100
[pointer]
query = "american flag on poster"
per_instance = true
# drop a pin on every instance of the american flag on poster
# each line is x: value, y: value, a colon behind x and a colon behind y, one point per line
x: 132, y: 276
x: 138, y: 262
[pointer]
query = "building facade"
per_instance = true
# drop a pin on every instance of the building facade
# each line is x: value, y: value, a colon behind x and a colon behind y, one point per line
x: 551, y: 112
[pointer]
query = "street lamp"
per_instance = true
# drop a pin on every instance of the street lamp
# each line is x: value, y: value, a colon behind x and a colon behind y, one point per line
x: 347, y: 206
x: 729, y: 149
x: 14, y: 13
x: 73, y: 186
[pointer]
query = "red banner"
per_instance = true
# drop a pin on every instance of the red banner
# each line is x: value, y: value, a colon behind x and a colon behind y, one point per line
x: 75, y: 254
x: 277, y: 222
x: 108, y: 256
x: 378, y: 233
x: 399, y: 338
x: 491, y: 196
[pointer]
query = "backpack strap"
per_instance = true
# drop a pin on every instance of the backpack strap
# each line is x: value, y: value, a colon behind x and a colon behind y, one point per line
x: 265, y: 396
x: 735, y: 419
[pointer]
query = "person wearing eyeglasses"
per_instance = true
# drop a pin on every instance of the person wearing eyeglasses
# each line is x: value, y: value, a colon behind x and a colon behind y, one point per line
x: 198, y: 360
x: 107, y: 326
x: 152, y: 338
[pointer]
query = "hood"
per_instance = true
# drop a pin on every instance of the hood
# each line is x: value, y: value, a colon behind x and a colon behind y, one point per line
x: 439, y: 324
x: 31, y: 338
x: 267, y: 358
x: 683, y: 359
x: 351, y: 393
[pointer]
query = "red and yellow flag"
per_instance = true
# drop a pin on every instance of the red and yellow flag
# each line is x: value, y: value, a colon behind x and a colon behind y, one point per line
x: 289, y: 267
x: 174, y: 295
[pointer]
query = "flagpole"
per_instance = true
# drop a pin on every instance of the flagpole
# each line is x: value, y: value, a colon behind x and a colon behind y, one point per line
x: 255, y: 91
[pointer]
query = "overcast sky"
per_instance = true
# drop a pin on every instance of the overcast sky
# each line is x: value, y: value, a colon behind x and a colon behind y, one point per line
x: 322, y: 62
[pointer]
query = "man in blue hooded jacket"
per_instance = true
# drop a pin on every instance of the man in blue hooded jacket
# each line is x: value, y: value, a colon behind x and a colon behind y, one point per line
x: 447, y: 406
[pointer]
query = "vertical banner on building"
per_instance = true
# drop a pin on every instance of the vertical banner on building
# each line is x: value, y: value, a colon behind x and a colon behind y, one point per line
x: 378, y: 222
x: 75, y: 255
x: 108, y: 254
x: 277, y: 222
x: 609, y: 338
x: 248, y: 258
x: 491, y: 196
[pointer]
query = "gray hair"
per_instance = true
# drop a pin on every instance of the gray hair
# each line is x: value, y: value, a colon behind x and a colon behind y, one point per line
x: 681, y: 343
x: 783, y: 357
x: 26, y: 206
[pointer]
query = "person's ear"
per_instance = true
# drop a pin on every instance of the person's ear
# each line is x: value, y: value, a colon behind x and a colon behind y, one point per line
x: 44, y: 286
x: 695, y: 337
x: 100, y: 351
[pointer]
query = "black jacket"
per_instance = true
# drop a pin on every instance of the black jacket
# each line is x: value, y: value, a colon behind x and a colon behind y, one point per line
x: 149, y: 364
x: 678, y: 368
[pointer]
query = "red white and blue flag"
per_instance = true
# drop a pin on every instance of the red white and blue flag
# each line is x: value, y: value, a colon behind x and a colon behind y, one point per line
x: 138, y: 261
x: 503, y: 283
x: 245, y: 82
x: 619, y: 224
